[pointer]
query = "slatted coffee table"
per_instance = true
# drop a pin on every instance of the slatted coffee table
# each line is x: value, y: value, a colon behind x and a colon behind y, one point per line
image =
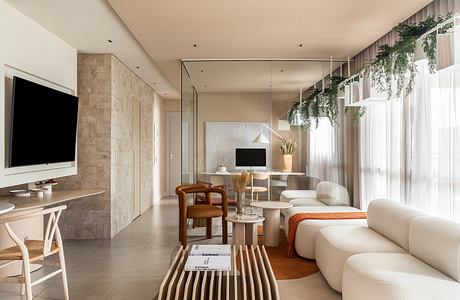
x: 251, y: 278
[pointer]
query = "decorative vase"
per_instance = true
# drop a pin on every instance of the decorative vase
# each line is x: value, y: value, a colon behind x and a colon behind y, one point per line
x: 239, y: 202
x: 287, y: 163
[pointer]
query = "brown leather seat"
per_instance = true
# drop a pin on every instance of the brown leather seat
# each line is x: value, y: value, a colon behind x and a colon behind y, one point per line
x: 201, y: 211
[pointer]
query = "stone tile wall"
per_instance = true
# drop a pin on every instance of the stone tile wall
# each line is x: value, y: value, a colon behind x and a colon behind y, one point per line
x: 106, y: 89
x: 126, y: 88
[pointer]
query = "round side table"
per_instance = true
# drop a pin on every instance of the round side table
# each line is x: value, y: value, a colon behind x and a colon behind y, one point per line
x: 244, y: 230
x: 272, y: 210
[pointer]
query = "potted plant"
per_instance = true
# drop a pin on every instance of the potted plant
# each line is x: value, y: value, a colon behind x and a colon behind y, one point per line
x: 287, y: 148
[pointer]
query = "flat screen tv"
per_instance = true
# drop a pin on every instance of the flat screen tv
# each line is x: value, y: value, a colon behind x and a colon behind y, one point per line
x: 43, y: 125
x: 250, y: 157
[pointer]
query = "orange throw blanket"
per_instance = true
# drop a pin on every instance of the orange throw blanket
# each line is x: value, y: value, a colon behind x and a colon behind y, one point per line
x: 299, y: 217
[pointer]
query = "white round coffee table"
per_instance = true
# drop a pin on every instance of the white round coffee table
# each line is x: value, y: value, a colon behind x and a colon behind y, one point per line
x: 272, y: 211
x: 244, y: 230
x: 6, y: 207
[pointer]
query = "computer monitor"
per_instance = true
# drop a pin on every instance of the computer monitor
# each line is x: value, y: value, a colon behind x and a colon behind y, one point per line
x: 250, y: 157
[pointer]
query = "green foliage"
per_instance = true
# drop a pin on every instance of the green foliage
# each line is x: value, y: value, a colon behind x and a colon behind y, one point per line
x: 396, y: 63
x: 392, y: 72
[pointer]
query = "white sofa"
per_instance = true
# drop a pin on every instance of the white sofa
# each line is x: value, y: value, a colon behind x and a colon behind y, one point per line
x: 326, y: 194
x: 328, y: 197
x: 402, y: 254
x: 429, y: 271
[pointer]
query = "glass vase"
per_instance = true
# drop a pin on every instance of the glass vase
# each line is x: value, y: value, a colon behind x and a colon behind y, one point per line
x: 240, y: 198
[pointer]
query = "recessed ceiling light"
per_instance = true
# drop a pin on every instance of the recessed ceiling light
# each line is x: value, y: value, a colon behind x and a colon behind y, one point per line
x: 110, y: 41
x: 194, y: 45
x: 201, y: 71
x: 300, y: 45
x: 281, y: 70
x: 138, y: 67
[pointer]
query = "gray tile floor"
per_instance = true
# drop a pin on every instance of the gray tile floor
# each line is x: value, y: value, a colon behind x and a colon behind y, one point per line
x: 130, y: 266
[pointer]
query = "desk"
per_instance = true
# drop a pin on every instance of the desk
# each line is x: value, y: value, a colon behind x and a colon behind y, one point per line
x: 33, y: 228
x: 57, y: 197
x: 217, y: 178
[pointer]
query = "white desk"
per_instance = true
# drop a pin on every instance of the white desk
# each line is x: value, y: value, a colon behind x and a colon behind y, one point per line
x: 217, y: 178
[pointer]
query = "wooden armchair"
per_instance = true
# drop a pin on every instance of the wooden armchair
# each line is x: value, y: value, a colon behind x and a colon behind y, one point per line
x: 201, y: 211
x: 216, y: 200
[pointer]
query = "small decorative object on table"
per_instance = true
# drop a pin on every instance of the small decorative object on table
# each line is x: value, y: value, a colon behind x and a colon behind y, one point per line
x: 287, y: 148
x: 240, y: 181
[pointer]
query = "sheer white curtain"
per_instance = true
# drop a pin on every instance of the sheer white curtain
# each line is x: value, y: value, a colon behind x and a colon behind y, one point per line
x: 326, y: 151
x: 380, y: 136
x: 434, y: 183
x: 410, y: 148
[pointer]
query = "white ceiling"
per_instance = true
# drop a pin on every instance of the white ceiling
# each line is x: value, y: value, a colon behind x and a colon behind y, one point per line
x: 256, y: 76
x: 87, y: 25
x: 169, y: 29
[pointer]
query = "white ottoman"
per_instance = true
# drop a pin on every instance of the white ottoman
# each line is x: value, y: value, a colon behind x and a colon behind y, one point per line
x: 383, y: 276
x: 308, y: 229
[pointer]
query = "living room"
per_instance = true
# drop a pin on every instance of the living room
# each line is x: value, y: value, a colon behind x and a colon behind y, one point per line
x: 176, y: 150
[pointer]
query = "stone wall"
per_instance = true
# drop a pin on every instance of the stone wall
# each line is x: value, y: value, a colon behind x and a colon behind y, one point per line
x: 126, y: 88
x: 89, y: 218
x: 106, y: 89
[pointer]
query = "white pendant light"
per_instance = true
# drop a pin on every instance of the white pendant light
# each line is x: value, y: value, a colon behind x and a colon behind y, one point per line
x: 297, y: 118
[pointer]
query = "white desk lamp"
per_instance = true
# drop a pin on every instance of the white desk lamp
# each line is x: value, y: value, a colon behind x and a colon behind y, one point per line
x: 261, y: 139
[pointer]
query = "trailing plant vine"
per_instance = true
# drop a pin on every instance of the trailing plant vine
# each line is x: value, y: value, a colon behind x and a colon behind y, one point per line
x: 392, y: 72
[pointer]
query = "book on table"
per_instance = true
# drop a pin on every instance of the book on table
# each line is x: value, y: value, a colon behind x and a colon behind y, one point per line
x: 209, y: 258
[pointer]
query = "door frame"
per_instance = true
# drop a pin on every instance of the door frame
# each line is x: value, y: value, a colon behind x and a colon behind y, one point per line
x: 137, y: 101
x: 169, y: 115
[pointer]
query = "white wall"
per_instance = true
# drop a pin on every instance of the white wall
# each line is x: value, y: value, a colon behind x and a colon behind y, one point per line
x: 28, y: 47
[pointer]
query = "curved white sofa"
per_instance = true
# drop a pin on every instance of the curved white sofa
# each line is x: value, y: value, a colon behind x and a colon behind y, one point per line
x: 387, y: 232
x: 429, y: 271
x: 326, y: 194
x: 401, y: 255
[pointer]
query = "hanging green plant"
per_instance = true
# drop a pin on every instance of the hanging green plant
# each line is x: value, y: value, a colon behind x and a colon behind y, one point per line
x: 395, y: 64
x: 331, y: 106
x: 429, y: 42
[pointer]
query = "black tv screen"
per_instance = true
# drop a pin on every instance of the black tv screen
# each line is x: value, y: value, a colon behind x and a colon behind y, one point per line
x: 43, y: 125
x: 250, y: 157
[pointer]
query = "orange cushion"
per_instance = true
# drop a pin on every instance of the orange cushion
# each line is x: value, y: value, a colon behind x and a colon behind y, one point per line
x: 203, y: 211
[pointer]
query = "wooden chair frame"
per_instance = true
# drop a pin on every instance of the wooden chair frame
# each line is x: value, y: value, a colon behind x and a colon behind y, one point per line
x: 52, y: 239
x: 182, y: 192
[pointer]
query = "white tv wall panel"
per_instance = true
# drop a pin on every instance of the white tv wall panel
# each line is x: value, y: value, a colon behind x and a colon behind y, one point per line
x: 221, y: 139
x: 32, y: 52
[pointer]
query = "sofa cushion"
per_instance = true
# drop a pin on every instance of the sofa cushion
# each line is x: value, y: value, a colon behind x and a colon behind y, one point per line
x: 294, y: 194
x: 436, y: 241
x: 306, y: 202
x: 332, y: 194
x: 392, y: 220
x: 382, y: 276
x: 308, y: 230
x: 334, y: 245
